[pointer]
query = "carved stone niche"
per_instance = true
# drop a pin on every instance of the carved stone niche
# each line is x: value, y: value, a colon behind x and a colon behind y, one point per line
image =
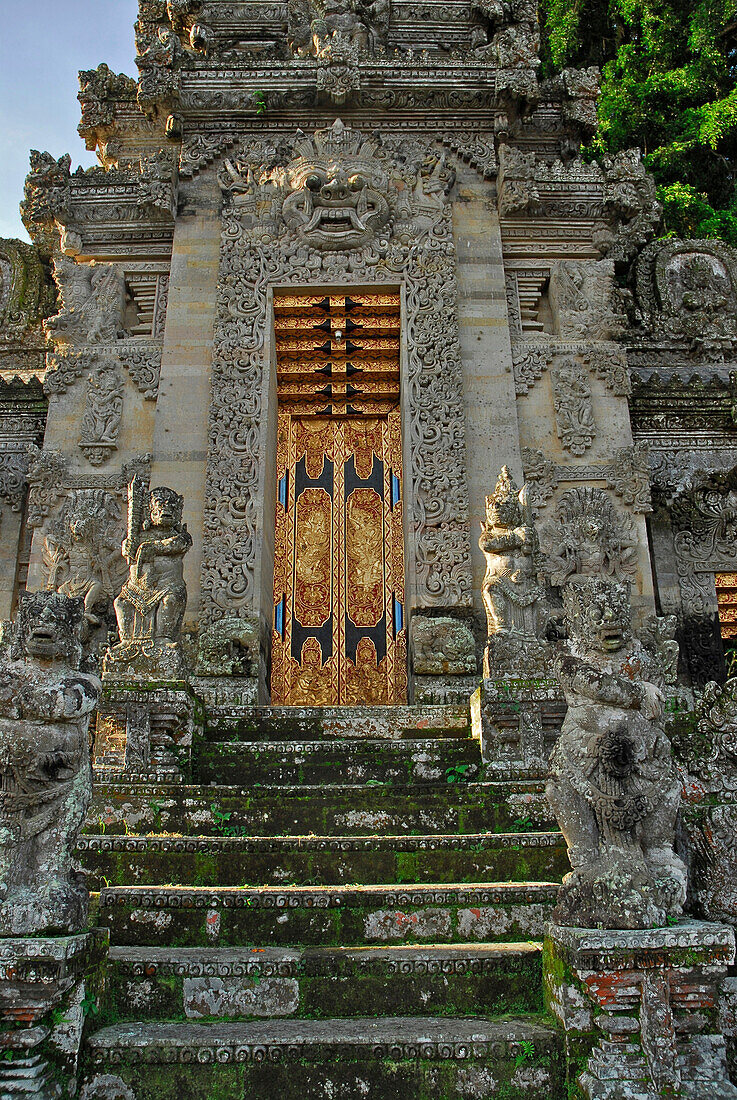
x: 704, y: 522
x: 688, y: 290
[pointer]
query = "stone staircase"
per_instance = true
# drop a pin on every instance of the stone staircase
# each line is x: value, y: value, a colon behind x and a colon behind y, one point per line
x: 340, y: 905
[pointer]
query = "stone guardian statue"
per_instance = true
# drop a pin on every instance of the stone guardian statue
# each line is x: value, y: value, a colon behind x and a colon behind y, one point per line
x: 613, y: 785
x: 511, y: 590
x: 45, y: 770
x: 151, y: 605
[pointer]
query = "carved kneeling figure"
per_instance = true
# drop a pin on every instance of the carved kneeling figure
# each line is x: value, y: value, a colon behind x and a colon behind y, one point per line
x: 45, y: 771
x: 613, y: 784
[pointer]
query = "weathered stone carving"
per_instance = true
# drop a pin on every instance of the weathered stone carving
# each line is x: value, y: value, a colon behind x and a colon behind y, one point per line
x: 511, y: 588
x: 159, y: 57
x: 687, y: 290
x: 257, y: 249
x: 144, y: 366
x: 151, y: 605
x: 102, y: 412
x: 158, y: 186
x: 46, y: 788
x: 99, y: 91
x: 92, y: 303
x: 632, y: 212
x: 319, y: 27
x: 517, y: 191
x: 574, y: 414
x: 442, y: 646
x: 46, y: 198
x: 82, y: 553
x: 337, y: 201
x: 25, y: 297
x: 507, y: 35
x: 587, y: 537
x: 628, y: 474
x: 613, y: 784
x: 581, y: 300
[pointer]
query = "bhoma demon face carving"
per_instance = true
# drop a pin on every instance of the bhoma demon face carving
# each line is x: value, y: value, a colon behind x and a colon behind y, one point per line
x: 338, y: 198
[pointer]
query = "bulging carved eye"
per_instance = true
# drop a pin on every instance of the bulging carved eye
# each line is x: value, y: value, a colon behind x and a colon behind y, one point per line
x: 356, y: 183
x: 313, y: 183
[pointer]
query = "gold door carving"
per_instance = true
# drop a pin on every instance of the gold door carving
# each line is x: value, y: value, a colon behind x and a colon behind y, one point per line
x: 339, y: 634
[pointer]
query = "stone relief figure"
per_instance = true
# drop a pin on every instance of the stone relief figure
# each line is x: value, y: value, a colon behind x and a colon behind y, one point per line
x: 511, y: 590
x: 588, y: 537
x: 151, y: 605
x: 574, y: 415
x: 317, y: 25
x: 82, y: 556
x: 613, y: 784
x: 92, y: 303
x: 45, y: 770
x: 102, y: 413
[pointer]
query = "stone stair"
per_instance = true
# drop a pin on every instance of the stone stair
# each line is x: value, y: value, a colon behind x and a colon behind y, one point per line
x: 338, y: 905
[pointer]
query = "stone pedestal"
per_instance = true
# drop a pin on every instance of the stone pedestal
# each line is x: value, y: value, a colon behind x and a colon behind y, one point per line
x: 517, y: 721
x: 641, y: 1009
x: 443, y: 656
x: 48, y: 987
x: 145, y: 730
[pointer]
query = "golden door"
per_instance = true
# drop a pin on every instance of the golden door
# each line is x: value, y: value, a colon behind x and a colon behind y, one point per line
x: 339, y: 635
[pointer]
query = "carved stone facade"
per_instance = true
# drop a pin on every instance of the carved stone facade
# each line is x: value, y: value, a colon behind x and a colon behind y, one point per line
x: 371, y: 222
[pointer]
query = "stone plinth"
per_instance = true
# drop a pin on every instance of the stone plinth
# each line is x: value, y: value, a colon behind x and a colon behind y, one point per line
x: 145, y: 730
x: 48, y: 986
x: 517, y: 721
x: 641, y: 1009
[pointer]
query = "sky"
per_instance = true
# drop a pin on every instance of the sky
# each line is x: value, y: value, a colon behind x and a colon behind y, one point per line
x: 44, y: 45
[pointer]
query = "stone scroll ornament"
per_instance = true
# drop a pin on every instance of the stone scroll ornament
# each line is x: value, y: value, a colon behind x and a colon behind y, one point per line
x: 45, y: 770
x: 151, y: 605
x: 511, y: 588
x: 336, y: 208
x: 613, y: 784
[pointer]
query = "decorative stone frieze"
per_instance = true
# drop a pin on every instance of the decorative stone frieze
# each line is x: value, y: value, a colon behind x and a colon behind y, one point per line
x: 628, y: 474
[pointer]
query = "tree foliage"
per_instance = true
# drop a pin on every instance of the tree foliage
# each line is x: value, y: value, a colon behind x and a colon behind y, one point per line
x: 669, y: 71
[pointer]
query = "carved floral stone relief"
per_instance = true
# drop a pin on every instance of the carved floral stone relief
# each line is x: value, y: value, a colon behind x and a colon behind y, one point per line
x: 275, y: 231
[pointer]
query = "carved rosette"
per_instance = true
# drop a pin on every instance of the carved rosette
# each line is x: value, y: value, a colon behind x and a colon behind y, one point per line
x: 389, y: 203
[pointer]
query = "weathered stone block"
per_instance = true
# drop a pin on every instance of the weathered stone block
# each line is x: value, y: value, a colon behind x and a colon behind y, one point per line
x: 640, y: 1009
x: 517, y: 722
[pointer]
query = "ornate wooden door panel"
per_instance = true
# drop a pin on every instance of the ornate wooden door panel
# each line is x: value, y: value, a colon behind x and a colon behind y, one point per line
x: 339, y: 634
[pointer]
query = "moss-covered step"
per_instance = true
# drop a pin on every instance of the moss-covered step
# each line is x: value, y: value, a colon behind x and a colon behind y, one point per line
x: 316, y: 860
x: 395, y: 1058
x: 324, y: 810
x: 190, y: 916
x: 424, y: 760
x: 328, y: 723
x: 179, y: 983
